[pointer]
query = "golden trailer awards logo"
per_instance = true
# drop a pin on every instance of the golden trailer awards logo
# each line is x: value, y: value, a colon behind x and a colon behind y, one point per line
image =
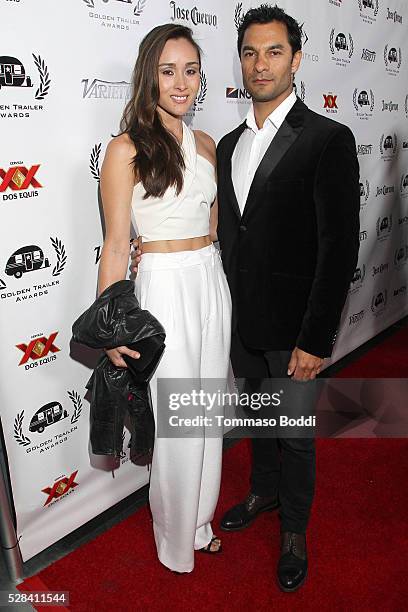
x: 341, y: 47
x: 364, y: 192
x: 379, y: 303
x: 368, y: 10
x: 401, y: 257
x: 63, y: 486
x: 358, y: 279
x: 119, y: 15
x: 27, y: 260
x: 21, y: 179
x: 392, y: 60
x: 47, y: 416
x: 388, y: 146
x: 16, y: 83
x: 363, y: 102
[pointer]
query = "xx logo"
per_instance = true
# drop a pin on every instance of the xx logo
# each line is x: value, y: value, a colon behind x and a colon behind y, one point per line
x: 18, y: 178
x: 37, y: 348
x: 330, y: 101
x: 60, y: 487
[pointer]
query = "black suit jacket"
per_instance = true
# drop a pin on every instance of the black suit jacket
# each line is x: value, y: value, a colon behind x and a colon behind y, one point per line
x: 290, y: 258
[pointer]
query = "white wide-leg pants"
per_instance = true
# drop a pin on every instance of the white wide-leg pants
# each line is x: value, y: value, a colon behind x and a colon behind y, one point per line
x: 188, y: 293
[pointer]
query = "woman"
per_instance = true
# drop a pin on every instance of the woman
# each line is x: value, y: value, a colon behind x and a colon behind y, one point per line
x: 162, y: 174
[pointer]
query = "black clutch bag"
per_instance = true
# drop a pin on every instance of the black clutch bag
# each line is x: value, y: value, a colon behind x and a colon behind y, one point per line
x: 150, y: 349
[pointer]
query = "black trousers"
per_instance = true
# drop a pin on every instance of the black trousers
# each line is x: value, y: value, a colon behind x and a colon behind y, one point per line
x: 286, y: 467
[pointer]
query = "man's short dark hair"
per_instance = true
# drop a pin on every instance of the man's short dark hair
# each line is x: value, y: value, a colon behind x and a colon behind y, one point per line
x: 266, y: 13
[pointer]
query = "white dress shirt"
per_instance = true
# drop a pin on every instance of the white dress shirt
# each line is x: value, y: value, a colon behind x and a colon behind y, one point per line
x: 252, y: 146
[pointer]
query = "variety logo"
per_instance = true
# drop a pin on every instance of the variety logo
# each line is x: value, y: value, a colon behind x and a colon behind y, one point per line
x: 384, y: 227
x: 126, y: 13
x: 401, y: 257
x: 356, y: 317
x: 368, y: 56
x: 330, y: 103
x: 28, y: 259
x: 193, y: 15
x: 364, y: 192
x: 19, y: 178
x: 62, y: 486
x: 342, y: 47
x: 379, y: 302
x: 392, y: 59
x: 358, y: 279
x: 385, y: 190
x: 364, y: 149
x: 15, y: 82
x: 46, y: 417
x: 394, y: 16
x: 36, y: 351
x: 363, y: 102
x: 368, y: 10
x: 380, y: 269
x: 106, y: 90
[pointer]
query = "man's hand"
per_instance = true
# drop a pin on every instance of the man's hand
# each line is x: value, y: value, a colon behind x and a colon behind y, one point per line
x: 135, y: 254
x: 304, y: 366
x: 115, y: 355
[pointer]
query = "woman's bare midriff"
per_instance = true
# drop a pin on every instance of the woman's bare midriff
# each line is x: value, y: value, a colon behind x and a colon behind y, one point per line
x: 172, y: 246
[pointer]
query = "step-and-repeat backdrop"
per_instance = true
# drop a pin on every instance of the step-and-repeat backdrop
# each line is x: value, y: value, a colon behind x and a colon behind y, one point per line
x: 64, y: 78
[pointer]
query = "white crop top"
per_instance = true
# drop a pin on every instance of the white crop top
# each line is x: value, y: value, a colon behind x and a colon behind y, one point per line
x: 186, y: 215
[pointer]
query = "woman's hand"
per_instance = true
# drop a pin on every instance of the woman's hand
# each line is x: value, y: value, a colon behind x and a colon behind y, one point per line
x: 136, y: 254
x: 115, y: 355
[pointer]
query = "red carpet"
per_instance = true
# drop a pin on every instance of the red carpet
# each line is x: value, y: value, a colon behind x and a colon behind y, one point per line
x: 358, y: 547
x: 358, y: 537
x: 386, y: 360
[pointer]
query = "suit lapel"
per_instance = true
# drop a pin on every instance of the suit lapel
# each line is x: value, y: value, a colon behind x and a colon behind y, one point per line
x: 287, y: 134
x: 229, y: 186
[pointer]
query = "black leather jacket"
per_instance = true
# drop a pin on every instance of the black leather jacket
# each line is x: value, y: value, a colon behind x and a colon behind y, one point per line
x: 116, y: 319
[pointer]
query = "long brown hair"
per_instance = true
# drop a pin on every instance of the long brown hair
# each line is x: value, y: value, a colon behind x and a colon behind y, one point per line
x: 159, y: 161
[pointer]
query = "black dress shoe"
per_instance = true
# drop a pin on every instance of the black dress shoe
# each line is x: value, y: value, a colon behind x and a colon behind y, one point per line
x: 292, y: 566
x: 243, y: 514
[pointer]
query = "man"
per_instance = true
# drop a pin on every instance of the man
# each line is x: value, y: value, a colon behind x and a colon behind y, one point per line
x: 288, y: 196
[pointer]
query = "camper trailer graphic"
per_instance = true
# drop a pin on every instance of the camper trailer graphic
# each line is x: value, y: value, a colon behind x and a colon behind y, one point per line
x: 12, y: 73
x: 26, y: 259
x: 47, y: 415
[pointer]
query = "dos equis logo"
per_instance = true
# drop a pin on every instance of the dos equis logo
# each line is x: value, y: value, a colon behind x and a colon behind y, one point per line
x: 17, y: 90
x: 19, y: 181
x: 119, y: 15
x: 61, y: 487
x: 39, y: 350
x: 330, y: 103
